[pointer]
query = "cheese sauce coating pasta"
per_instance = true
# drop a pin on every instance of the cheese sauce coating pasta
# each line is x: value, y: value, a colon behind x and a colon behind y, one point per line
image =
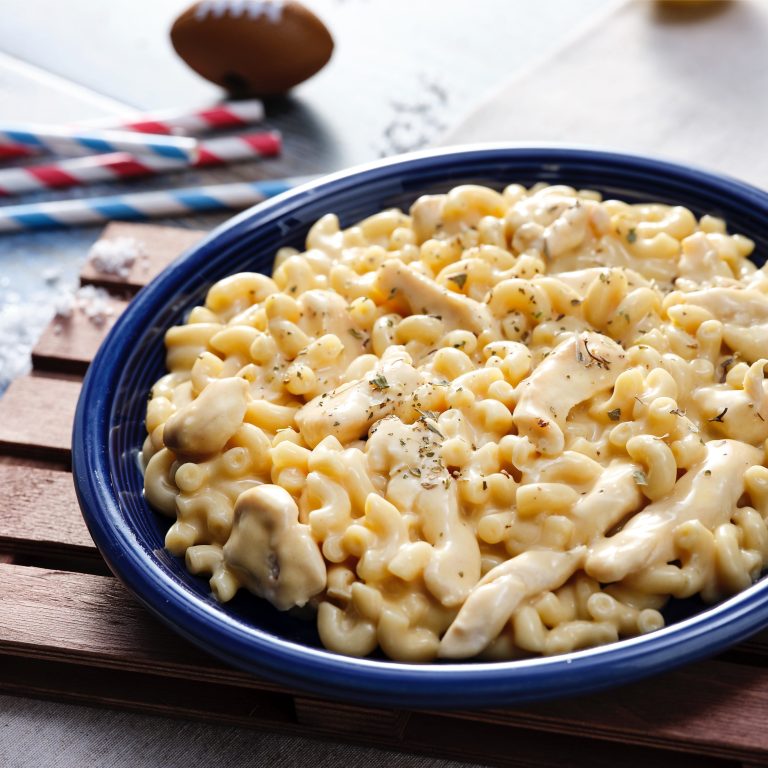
x: 500, y: 425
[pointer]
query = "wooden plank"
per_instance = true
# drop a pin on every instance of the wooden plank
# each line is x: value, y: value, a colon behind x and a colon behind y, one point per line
x: 79, y: 618
x: 68, y: 344
x: 36, y: 416
x: 39, y: 509
x: 430, y: 735
x: 21, y: 461
x: 158, y: 245
x: 712, y: 708
x: 36, y: 556
x: 474, y: 740
x: 497, y: 745
x: 40, y: 521
x: 339, y: 718
x: 147, y: 693
x: 753, y: 650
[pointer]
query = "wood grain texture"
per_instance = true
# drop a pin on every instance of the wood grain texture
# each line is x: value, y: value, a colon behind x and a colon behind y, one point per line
x: 499, y: 745
x: 38, y: 509
x: 711, y: 708
x: 337, y: 717
x: 159, y: 246
x: 25, y: 461
x: 68, y: 344
x: 79, y: 618
x: 92, y: 621
x: 36, y: 416
x: 147, y: 693
x: 425, y: 734
x: 754, y: 650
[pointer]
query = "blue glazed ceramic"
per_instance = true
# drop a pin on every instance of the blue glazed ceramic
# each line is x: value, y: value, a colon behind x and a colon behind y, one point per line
x: 248, y: 632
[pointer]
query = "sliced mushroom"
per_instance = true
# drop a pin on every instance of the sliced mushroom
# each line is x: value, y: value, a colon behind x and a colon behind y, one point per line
x: 269, y: 552
x: 203, y: 426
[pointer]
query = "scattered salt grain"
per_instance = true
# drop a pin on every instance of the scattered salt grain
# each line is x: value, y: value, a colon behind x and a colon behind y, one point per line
x: 63, y: 304
x: 93, y: 302
x: 21, y: 323
x: 116, y: 257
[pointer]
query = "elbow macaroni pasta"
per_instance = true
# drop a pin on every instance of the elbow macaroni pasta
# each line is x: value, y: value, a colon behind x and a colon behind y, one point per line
x: 502, y: 424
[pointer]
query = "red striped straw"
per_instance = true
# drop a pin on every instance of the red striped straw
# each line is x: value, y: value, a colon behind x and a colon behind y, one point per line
x: 115, y: 166
x: 232, y: 114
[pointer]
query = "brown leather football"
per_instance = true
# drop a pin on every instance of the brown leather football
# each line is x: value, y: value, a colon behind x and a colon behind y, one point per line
x: 252, y: 47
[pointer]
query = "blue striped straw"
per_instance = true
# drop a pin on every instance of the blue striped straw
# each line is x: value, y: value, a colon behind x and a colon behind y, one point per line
x: 68, y: 141
x: 141, y: 206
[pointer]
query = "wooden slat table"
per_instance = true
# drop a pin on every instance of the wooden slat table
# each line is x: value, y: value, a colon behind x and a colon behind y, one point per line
x: 70, y: 631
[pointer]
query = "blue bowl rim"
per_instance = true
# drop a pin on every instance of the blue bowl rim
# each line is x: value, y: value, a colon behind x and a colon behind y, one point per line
x: 444, y: 685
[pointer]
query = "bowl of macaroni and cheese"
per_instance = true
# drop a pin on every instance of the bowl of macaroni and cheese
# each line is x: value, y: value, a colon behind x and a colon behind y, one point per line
x: 467, y: 427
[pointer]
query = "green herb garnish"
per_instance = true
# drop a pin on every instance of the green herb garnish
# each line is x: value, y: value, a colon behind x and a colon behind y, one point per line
x: 379, y: 382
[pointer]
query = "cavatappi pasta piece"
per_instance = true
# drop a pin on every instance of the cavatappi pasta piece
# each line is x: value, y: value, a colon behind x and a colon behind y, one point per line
x: 503, y: 423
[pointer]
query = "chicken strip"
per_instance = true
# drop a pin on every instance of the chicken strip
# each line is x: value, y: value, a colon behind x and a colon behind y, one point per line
x: 576, y: 370
x: 708, y: 493
x: 349, y: 411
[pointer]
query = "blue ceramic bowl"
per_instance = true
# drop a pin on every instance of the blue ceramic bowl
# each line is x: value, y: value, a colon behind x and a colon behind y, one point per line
x: 248, y: 632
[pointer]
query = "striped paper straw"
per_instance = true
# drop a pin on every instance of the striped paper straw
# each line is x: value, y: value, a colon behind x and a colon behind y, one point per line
x: 9, y: 151
x: 141, y: 205
x: 121, y: 165
x: 232, y: 114
x: 72, y: 140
